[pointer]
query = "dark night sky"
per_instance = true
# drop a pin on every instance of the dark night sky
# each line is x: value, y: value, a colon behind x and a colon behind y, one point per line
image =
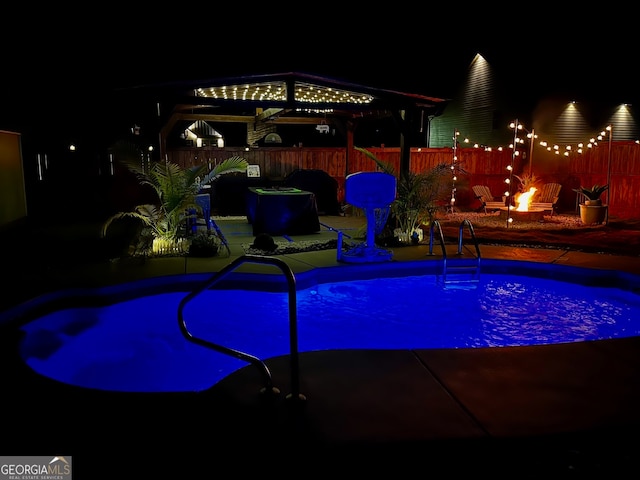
x: 64, y: 73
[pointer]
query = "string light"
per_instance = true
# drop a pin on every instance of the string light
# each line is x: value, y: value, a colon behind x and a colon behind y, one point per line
x: 579, y: 147
x: 517, y: 126
x: 277, y: 91
x: 452, y: 203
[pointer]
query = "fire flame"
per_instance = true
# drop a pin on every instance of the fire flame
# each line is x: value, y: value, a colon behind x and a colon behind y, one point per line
x: 524, y: 200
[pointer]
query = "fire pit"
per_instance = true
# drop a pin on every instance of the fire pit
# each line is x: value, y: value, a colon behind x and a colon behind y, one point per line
x: 531, y: 215
x: 523, y: 212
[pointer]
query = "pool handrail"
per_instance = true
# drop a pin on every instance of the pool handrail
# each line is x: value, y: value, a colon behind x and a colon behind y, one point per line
x: 293, y: 324
x: 435, y: 224
x: 466, y: 222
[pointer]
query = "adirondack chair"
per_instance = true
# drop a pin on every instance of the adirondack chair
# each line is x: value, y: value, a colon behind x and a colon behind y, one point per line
x: 547, y: 197
x: 488, y: 200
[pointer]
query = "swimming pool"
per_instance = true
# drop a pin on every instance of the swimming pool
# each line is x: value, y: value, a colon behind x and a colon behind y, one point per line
x: 135, y: 344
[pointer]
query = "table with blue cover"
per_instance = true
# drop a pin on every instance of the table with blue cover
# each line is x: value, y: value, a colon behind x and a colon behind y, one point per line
x: 282, y: 211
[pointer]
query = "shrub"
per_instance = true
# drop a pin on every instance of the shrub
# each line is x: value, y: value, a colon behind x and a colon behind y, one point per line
x: 204, y: 244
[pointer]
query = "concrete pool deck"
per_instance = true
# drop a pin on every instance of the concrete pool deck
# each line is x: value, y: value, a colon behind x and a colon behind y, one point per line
x: 523, y: 412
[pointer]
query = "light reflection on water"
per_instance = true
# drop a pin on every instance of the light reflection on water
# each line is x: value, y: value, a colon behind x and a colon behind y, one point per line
x: 137, y: 345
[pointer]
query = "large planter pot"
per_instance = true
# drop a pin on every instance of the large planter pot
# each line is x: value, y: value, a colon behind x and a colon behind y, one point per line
x: 593, y: 214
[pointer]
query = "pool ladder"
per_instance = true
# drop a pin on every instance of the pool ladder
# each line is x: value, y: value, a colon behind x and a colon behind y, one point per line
x: 465, y: 270
x: 268, y: 387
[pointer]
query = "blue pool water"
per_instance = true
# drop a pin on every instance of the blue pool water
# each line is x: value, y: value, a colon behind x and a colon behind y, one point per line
x: 136, y: 345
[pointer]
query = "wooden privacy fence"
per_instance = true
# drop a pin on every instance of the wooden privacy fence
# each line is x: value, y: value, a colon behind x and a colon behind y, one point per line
x: 616, y: 163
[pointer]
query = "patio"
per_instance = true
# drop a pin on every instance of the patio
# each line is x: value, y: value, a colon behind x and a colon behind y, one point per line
x: 344, y: 388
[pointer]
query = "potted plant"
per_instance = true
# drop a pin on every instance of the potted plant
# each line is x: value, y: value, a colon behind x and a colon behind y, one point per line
x: 591, y: 210
x: 592, y: 195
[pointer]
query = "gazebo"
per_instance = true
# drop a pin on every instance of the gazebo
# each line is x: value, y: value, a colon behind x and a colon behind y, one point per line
x: 262, y: 102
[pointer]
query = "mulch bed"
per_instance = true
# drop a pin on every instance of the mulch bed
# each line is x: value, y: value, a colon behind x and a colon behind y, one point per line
x: 285, y: 248
x: 620, y: 237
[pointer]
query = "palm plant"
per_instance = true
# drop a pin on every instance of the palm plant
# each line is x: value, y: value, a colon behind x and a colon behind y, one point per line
x: 418, y: 194
x: 175, y: 189
x: 418, y: 197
